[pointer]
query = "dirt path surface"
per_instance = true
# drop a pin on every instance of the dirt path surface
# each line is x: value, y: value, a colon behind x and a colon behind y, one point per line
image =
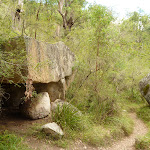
x: 128, y: 143
x: 15, y: 123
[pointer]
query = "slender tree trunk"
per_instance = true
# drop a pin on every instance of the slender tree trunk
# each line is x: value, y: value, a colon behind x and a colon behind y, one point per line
x: 37, y: 19
x: 97, y: 55
x: 60, y: 7
x: 16, y: 16
x: 20, y: 3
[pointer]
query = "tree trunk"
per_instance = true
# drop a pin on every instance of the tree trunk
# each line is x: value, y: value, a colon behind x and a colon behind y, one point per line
x: 68, y: 21
x: 97, y: 55
x: 60, y: 7
x: 20, y: 3
x: 16, y: 16
x: 37, y: 17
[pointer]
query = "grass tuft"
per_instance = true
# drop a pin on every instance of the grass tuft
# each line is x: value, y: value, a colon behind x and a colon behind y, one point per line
x: 97, y: 136
x: 68, y: 117
x: 143, y: 143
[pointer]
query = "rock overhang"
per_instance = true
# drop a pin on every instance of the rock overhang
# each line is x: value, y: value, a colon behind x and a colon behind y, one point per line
x: 44, y: 62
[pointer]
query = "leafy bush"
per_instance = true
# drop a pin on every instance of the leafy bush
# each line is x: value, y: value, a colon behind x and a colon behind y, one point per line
x: 104, y: 109
x: 144, y: 113
x: 100, y: 104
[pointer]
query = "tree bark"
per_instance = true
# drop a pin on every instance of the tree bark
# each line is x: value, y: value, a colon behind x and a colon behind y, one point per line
x: 60, y: 8
x: 67, y: 23
x: 20, y: 3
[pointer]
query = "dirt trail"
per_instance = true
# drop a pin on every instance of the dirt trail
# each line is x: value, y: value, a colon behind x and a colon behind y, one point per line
x: 127, y: 143
x: 14, y: 122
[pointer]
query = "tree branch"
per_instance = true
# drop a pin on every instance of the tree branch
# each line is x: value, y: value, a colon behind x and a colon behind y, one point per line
x: 71, y: 3
x: 91, y: 72
x: 60, y: 13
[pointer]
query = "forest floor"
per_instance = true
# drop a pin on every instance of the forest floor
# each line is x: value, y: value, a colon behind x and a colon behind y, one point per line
x: 15, y: 123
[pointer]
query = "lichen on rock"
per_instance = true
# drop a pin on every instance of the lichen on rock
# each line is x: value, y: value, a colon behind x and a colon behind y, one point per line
x: 144, y: 86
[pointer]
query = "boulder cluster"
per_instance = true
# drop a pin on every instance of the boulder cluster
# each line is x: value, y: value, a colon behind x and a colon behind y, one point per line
x: 40, y: 107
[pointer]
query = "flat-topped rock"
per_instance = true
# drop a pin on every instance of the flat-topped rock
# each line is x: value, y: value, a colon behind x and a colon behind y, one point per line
x: 53, y: 129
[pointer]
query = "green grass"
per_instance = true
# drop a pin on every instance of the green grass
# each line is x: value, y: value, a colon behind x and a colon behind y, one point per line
x: 114, y: 129
x: 121, y: 123
x: 143, y: 143
x: 35, y: 131
x: 78, y: 126
x: 9, y: 141
x: 83, y: 127
x: 70, y: 117
x: 96, y: 136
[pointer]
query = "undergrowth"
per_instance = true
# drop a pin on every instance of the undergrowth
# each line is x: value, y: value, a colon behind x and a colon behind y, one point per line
x: 85, y: 127
x: 9, y: 141
x: 143, y: 143
x: 69, y: 117
x: 114, y: 129
x: 95, y: 116
x: 77, y: 125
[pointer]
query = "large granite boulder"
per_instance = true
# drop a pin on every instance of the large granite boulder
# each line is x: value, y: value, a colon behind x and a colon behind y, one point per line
x: 56, y: 61
x: 38, y: 107
x: 48, y: 65
x: 144, y: 86
x: 53, y: 129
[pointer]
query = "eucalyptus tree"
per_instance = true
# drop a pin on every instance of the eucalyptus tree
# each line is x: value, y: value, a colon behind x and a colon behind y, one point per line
x: 100, y: 18
x: 71, y: 12
x: 137, y: 25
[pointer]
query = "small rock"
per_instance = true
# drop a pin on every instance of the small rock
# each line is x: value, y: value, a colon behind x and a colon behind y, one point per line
x: 84, y: 147
x: 53, y: 129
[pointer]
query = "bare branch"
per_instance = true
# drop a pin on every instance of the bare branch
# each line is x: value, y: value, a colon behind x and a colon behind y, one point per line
x: 91, y: 72
x: 71, y: 3
x: 60, y: 13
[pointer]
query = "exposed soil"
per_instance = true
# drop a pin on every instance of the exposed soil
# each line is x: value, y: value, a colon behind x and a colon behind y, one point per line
x: 14, y: 122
